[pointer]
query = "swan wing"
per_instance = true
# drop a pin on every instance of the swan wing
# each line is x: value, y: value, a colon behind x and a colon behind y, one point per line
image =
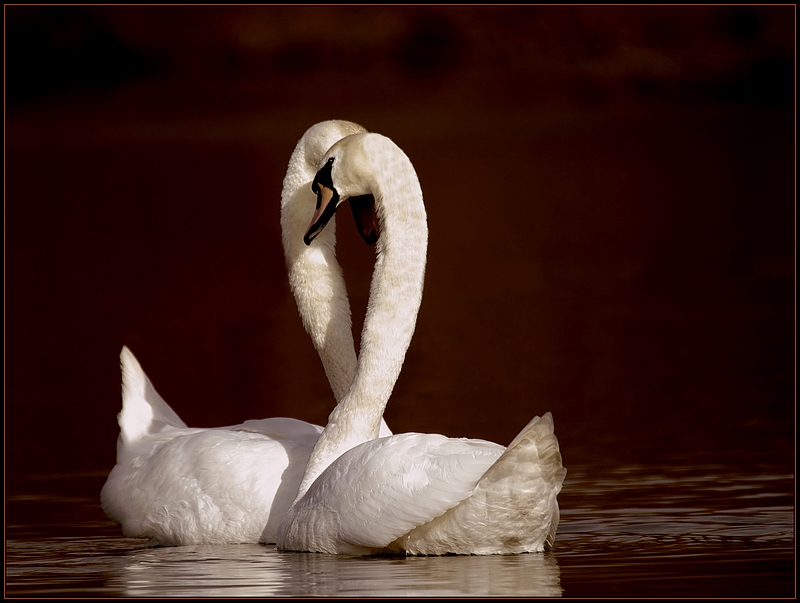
x: 144, y: 412
x: 513, y: 508
x: 382, y: 489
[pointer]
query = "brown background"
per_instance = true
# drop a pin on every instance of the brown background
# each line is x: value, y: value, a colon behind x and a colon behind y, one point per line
x: 610, y: 193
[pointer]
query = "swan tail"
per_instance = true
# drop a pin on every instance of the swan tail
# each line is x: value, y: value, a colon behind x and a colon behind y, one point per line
x: 144, y: 412
x: 513, y: 508
x: 551, y: 472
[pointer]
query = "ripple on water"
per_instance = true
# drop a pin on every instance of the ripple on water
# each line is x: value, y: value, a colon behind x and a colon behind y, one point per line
x: 632, y: 531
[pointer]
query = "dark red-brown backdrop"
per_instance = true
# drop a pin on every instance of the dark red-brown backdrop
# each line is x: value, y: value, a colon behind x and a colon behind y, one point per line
x: 611, y: 202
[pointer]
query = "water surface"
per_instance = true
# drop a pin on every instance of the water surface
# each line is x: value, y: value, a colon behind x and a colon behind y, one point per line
x: 705, y: 530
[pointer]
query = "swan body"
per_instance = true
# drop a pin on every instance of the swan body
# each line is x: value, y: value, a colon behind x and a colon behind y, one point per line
x: 425, y: 494
x: 178, y: 485
x: 418, y: 494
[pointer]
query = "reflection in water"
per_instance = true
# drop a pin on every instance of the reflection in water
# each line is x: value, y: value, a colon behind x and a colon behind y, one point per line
x: 680, y: 530
x: 257, y: 570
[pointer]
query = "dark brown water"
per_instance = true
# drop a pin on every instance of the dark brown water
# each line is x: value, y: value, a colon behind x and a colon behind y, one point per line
x: 689, y: 530
x: 611, y: 205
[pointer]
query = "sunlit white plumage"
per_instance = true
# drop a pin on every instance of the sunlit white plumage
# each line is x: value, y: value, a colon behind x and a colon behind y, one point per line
x: 178, y: 485
x: 410, y: 493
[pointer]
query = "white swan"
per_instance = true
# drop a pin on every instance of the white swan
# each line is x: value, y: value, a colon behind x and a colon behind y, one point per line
x: 409, y: 493
x: 178, y: 485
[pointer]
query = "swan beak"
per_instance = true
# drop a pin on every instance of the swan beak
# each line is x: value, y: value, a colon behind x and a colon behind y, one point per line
x: 327, y: 202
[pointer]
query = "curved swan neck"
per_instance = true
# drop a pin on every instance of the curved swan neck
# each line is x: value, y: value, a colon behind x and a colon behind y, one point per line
x: 384, y: 171
x: 315, y: 277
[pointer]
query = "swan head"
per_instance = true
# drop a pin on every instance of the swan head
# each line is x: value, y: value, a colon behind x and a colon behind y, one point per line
x: 328, y: 201
x: 303, y: 165
x: 297, y: 200
x: 322, y: 136
x: 378, y: 179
